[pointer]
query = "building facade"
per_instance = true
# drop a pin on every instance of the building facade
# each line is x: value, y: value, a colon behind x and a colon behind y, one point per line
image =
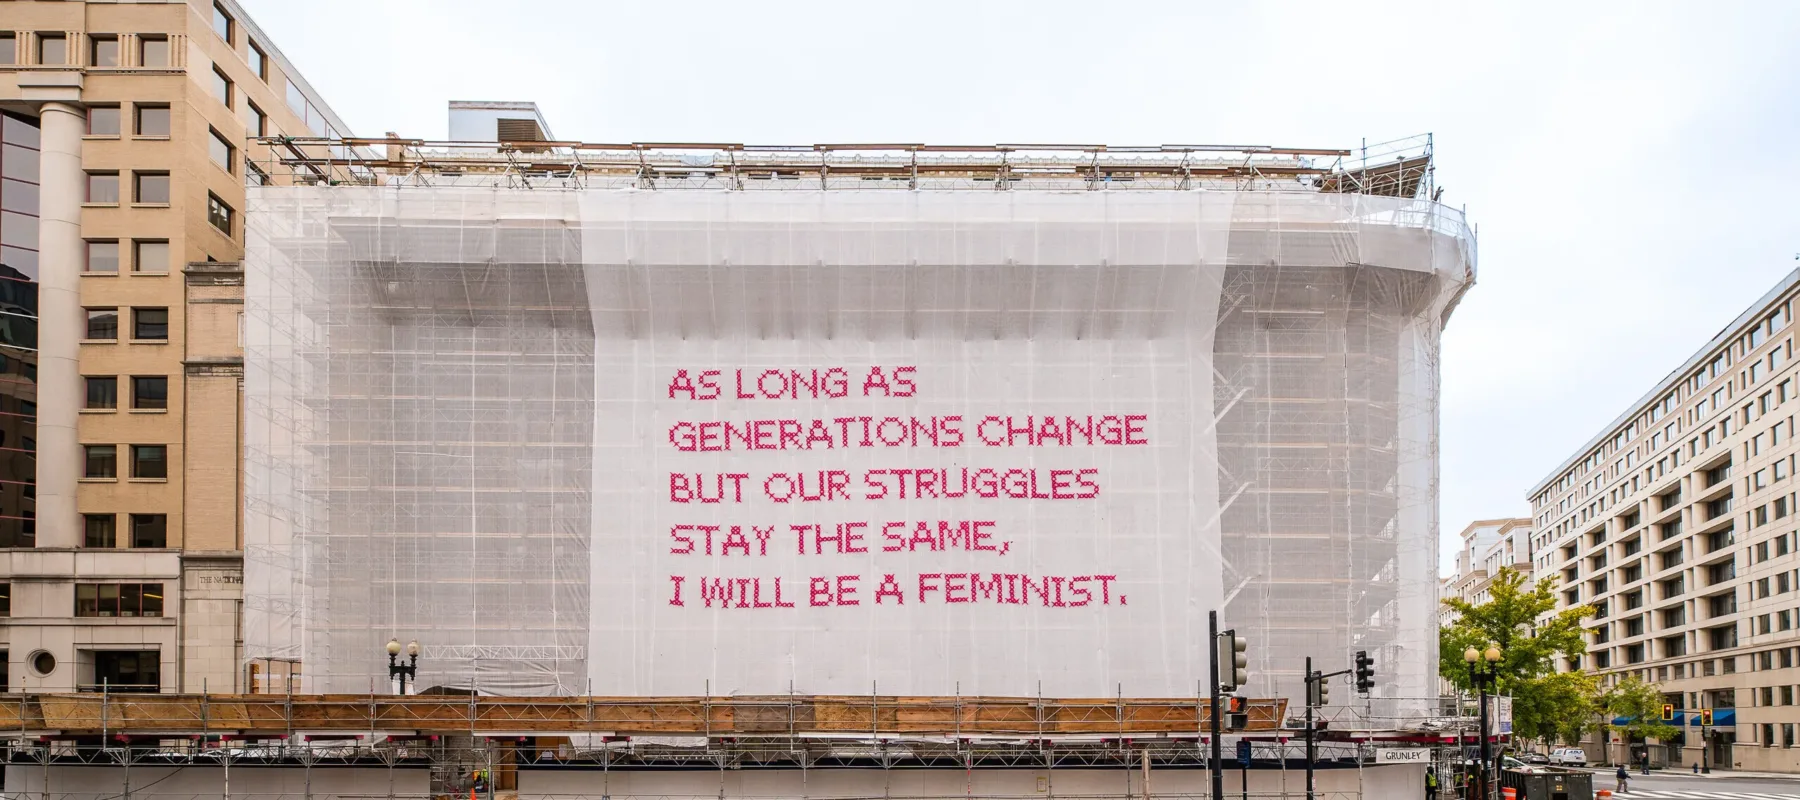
x: 1487, y: 546
x: 1677, y: 524
x: 127, y: 147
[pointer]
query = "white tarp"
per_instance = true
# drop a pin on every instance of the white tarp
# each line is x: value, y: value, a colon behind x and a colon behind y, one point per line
x: 570, y: 440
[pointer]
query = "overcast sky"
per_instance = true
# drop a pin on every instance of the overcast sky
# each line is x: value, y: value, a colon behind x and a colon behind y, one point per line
x: 1632, y: 166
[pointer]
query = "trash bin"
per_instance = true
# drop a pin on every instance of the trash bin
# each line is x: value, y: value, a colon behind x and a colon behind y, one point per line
x: 1549, y: 784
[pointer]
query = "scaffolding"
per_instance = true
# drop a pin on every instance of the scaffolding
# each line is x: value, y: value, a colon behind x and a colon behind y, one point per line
x: 431, y: 450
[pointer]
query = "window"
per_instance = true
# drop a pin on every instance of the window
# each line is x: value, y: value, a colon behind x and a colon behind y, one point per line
x: 222, y: 22
x: 53, y: 49
x: 1718, y: 508
x: 102, y: 392
x: 259, y: 62
x: 1722, y: 638
x: 1721, y: 604
x: 149, y: 461
x: 1674, y: 617
x: 103, y: 51
x: 221, y: 87
x: 218, y: 213
x: 151, y: 187
x: 153, y: 51
x: 150, y: 255
x: 150, y: 324
x: 9, y: 49
x: 103, y: 121
x: 1671, y: 530
x: 152, y: 120
x: 102, y: 461
x: 220, y: 151
x: 1721, y: 572
x: 259, y: 122
x: 102, y: 324
x: 1634, y: 626
x: 103, y: 187
x: 150, y: 392
x: 1762, y: 552
x: 102, y: 530
x: 254, y: 176
x: 149, y: 530
x: 1717, y: 474
x: 1787, y: 734
x: 1718, y: 540
x: 103, y: 256
x: 118, y: 600
x: 1780, y: 507
x: 1670, y: 558
x: 128, y: 671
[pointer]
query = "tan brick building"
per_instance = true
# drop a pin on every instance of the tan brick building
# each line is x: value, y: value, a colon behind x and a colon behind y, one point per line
x: 126, y: 131
x: 1677, y: 523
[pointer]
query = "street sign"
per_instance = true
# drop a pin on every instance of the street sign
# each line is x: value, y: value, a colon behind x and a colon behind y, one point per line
x: 1244, y: 752
x: 1399, y: 755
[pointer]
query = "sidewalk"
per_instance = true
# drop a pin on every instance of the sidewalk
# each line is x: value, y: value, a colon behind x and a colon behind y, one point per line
x: 1688, y: 772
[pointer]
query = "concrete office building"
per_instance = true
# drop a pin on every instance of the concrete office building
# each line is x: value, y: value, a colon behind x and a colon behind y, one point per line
x: 1488, y: 546
x: 1677, y: 524
x: 125, y: 134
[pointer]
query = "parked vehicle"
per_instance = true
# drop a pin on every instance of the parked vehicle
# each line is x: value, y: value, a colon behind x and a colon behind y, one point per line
x: 1535, y: 757
x: 1569, y: 757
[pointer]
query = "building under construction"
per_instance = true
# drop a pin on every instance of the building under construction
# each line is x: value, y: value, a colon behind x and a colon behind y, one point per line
x: 794, y: 466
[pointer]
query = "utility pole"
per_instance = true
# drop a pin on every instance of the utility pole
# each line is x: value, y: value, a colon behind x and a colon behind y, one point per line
x: 1228, y: 673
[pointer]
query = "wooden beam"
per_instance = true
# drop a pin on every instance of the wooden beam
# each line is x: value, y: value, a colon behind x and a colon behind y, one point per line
x: 150, y: 714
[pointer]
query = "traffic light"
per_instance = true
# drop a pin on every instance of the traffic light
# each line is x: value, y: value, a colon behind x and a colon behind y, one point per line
x: 1232, y: 661
x: 1365, y: 672
x: 1239, y: 716
x: 1668, y: 711
x: 1706, y: 716
x: 1318, y: 692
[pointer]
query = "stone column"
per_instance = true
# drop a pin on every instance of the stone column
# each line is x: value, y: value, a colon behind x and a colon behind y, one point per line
x: 61, y: 324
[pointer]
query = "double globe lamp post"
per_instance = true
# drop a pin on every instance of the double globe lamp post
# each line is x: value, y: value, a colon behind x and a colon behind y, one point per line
x: 397, y: 670
x: 1484, y: 668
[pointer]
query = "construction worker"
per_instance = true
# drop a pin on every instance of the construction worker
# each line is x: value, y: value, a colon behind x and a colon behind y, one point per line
x: 1431, y: 783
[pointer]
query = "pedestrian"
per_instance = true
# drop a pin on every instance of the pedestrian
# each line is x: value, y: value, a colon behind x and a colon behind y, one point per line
x: 1624, y: 778
x: 1646, y: 762
x: 1431, y: 783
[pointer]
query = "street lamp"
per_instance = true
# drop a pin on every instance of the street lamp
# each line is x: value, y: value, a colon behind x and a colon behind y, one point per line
x: 399, y: 670
x: 1483, y: 670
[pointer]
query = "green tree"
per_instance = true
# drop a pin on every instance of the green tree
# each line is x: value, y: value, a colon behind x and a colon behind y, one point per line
x: 1557, y: 707
x: 1546, y: 704
x: 1634, y: 708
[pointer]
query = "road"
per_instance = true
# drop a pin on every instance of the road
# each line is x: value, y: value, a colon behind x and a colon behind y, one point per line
x: 1659, y: 785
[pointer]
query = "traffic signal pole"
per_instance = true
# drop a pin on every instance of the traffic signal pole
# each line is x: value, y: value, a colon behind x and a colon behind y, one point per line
x: 1310, y: 680
x: 1218, y: 777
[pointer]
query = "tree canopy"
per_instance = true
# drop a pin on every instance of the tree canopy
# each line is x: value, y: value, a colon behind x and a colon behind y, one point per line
x: 1634, y: 708
x: 1546, y: 704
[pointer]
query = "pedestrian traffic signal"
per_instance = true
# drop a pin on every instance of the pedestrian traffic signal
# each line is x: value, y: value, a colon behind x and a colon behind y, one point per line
x: 1318, y: 693
x: 1365, y: 672
x: 1232, y: 651
x: 1239, y: 716
x: 1668, y: 711
x: 1706, y: 716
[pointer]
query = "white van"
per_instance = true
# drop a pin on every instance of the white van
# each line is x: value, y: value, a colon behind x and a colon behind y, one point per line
x: 1569, y: 757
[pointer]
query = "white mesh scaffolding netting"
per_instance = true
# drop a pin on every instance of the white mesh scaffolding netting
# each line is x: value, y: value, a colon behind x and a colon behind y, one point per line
x: 1004, y: 443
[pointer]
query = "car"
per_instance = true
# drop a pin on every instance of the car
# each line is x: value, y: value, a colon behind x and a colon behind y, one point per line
x: 1535, y: 757
x: 1569, y: 757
